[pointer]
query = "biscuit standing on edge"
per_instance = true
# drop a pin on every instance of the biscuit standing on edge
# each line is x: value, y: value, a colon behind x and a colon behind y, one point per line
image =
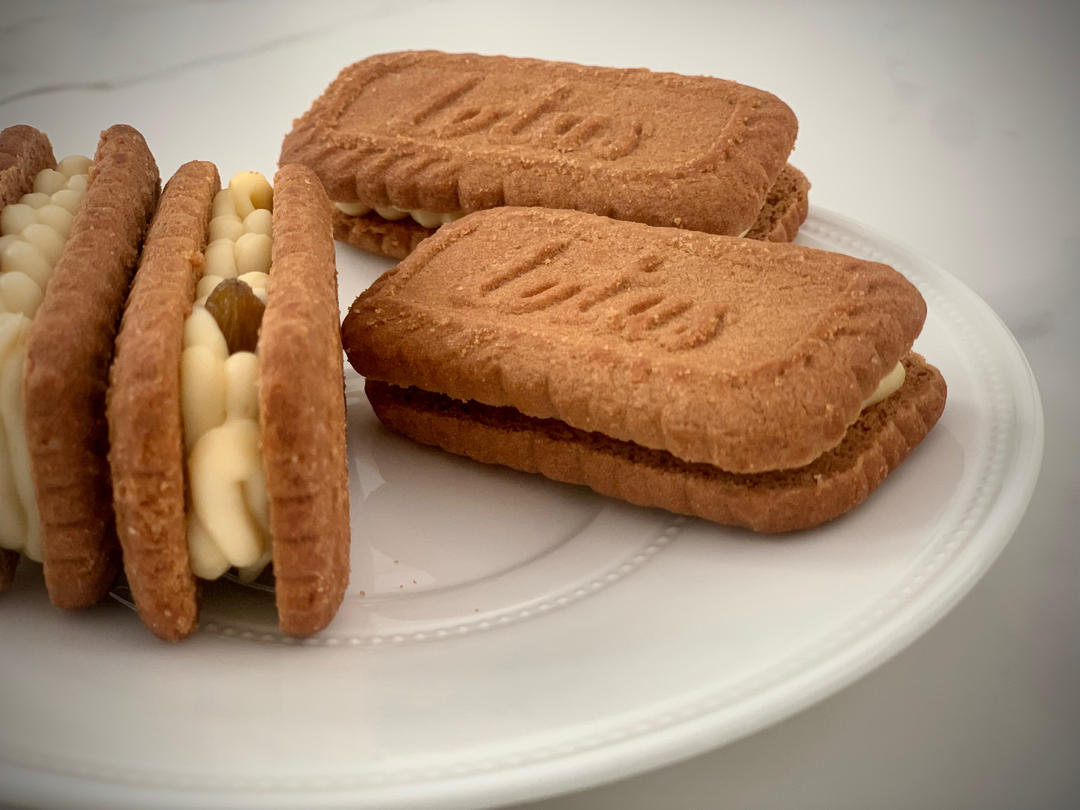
x: 406, y: 141
x: 298, y: 389
x: 713, y: 376
x: 68, y: 347
x: 146, y: 433
x: 301, y: 397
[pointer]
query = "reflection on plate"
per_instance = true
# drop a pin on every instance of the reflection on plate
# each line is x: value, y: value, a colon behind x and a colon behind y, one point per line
x: 505, y: 637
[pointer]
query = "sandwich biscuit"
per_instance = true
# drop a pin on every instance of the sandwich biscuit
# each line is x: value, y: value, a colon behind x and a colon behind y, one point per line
x: 226, y: 412
x: 715, y: 376
x: 71, y: 243
x: 405, y: 142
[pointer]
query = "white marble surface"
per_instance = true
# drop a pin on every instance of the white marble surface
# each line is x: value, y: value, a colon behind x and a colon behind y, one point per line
x: 951, y: 127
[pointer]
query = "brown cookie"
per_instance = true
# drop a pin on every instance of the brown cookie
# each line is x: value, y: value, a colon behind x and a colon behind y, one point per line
x: 69, y: 350
x: 778, y: 501
x: 145, y: 426
x: 24, y: 151
x: 746, y: 355
x: 461, y: 132
x: 302, y: 409
x: 396, y: 238
x: 785, y: 209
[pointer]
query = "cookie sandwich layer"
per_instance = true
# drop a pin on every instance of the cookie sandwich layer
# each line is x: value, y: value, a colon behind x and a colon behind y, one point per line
x: 33, y: 232
x: 443, y: 134
x: 514, y: 335
x: 73, y: 231
x: 226, y: 410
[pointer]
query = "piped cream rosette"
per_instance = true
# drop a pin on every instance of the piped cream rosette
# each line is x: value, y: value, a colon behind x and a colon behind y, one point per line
x: 33, y: 233
x: 228, y: 510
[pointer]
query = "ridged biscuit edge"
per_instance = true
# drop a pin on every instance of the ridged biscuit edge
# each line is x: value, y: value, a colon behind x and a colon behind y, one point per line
x: 69, y: 350
x: 302, y: 408
x: 780, y: 501
x: 146, y: 453
x: 394, y: 239
x: 785, y: 209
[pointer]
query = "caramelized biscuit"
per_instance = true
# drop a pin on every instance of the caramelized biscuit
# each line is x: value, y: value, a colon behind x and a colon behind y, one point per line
x: 302, y: 409
x: 746, y: 355
x: 145, y: 426
x: 462, y: 132
x: 778, y: 501
x: 69, y: 350
x: 785, y: 209
x: 24, y: 151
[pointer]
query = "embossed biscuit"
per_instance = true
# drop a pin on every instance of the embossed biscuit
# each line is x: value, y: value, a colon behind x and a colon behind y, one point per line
x: 302, y: 409
x: 146, y: 451
x: 69, y: 349
x: 785, y: 209
x: 451, y: 132
x: 777, y: 501
x: 746, y: 355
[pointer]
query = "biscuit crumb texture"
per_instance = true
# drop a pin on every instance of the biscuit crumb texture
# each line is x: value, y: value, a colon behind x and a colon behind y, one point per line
x: 742, y: 354
x: 462, y: 132
x: 784, y: 211
x: 69, y: 351
x: 144, y: 406
x: 302, y: 409
x: 779, y: 501
x: 786, y: 207
x: 24, y: 151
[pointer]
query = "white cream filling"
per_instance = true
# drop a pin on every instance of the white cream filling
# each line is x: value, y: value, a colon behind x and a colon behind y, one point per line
x: 429, y: 219
x: 888, y: 386
x: 228, y: 509
x: 33, y: 233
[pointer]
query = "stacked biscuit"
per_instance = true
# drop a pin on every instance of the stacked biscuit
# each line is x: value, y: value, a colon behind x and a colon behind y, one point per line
x: 635, y: 344
x: 177, y: 364
x: 595, y: 286
x: 404, y: 142
x: 713, y: 376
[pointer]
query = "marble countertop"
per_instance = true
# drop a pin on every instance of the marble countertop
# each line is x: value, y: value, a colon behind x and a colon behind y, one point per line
x: 951, y: 127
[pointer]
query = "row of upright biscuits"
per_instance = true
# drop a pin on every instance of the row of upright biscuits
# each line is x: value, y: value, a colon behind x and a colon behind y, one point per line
x: 596, y: 285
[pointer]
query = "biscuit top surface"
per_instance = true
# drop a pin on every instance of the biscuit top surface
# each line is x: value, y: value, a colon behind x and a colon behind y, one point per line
x: 479, y: 131
x: 743, y: 354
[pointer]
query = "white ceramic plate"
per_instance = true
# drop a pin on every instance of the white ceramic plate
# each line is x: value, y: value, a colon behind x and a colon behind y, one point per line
x: 506, y: 637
